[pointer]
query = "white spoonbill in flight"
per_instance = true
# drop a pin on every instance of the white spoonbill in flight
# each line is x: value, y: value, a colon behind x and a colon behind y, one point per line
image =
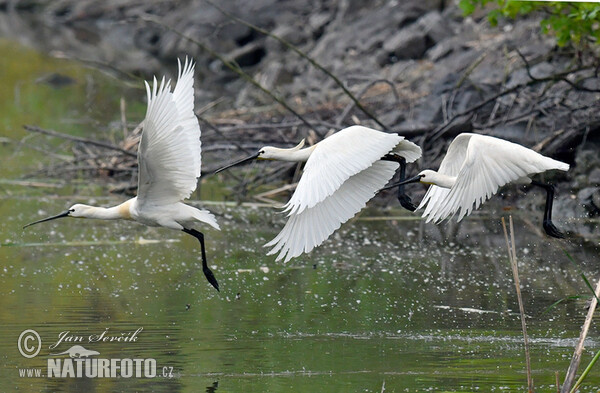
x: 169, y: 166
x: 342, y: 173
x: 473, y: 169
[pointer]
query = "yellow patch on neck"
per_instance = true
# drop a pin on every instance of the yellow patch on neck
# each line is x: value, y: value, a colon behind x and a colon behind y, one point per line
x: 124, y: 210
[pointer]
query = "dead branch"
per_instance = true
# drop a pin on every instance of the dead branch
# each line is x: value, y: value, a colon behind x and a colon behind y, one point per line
x: 233, y: 66
x: 312, y: 61
x: 78, y: 139
x: 572, y: 371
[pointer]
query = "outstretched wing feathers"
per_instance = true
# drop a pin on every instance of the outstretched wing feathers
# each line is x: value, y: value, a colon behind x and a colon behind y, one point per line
x: 335, y: 160
x: 170, y: 149
x: 341, y: 175
x: 486, y: 164
x: 450, y: 165
x: 309, y: 228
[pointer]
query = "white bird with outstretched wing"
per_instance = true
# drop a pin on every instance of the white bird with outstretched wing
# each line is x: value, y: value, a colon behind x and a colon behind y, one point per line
x: 473, y: 170
x: 169, y: 166
x: 342, y: 173
x: 170, y: 149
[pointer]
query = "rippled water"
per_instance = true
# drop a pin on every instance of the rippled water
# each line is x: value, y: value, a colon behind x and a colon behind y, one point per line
x: 386, y: 303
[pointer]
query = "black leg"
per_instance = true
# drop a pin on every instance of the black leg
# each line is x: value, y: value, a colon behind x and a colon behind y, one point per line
x: 549, y: 227
x: 207, y: 272
x: 403, y: 198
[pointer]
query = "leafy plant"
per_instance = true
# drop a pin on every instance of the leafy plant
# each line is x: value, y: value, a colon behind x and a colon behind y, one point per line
x: 572, y: 23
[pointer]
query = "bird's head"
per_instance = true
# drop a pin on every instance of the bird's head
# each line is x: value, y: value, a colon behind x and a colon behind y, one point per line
x: 427, y: 176
x: 267, y: 153
x: 277, y: 153
x: 77, y: 210
x: 430, y: 177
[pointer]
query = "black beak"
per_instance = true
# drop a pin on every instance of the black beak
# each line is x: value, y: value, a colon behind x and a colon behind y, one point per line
x: 252, y: 157
x: 63, y: 214
x: 414, y: 179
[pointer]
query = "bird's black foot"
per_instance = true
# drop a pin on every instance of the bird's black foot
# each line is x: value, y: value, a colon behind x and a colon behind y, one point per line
x: 406, y: 202
x: 551, y: 230
x: 207, y: 272
x: 210, y: 277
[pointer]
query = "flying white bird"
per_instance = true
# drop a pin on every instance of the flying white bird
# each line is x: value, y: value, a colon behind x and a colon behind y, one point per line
x: 169, y: 166
x: 473, y: 169
x: 342, y: 173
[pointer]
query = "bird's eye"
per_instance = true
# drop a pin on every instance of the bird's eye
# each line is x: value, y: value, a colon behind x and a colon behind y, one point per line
x: 71, y: 210
x: 261, y: 152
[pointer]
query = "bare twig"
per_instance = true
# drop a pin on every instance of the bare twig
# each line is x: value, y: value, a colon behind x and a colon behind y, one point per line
x: 572, y: 371
x: 439, y: 131
x: 559, y: 78
x: 512, y: 254
x: 349, y: 107
x: 123, y: 107
x: 78, y: 139
x: 312, y: 61
x: 232, y: 65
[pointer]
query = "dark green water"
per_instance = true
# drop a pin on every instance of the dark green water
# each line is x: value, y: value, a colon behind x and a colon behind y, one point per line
x: 383, y: 304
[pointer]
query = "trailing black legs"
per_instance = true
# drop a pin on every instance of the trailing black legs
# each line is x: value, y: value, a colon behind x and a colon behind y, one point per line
x: 549, y: 227
x: 403, y: 198
x: 207, y: 272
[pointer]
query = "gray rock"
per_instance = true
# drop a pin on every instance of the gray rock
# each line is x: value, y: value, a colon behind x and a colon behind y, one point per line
x: 585, y: 195
x: 317, y: 22
x: 589, y: 197
x: 444, y: 48
x: 392, y: 117
x: 435, y: 27
x: 594, y: 177
x: 408, y: 43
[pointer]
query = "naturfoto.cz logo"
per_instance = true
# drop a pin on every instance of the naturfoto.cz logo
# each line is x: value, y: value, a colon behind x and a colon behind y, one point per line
x: 78, y: 361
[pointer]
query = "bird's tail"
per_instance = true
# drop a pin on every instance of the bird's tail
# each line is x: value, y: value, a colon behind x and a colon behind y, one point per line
x: 562, y: 166
x: 206, y: 217
x: 410, y: 151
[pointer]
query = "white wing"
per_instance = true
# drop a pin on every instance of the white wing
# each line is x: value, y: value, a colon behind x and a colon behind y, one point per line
x: 170, y: 149
x: 450, y: 165
x: 310, y: 227
x: 337, y: 158
x: 489, y: 163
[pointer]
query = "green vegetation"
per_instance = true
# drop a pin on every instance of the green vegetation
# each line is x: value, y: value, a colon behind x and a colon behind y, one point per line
x: 576, y: 24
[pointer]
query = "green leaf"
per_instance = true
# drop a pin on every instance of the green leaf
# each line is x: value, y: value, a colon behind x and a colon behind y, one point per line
x: 556, y: 303
x: 467, y: 7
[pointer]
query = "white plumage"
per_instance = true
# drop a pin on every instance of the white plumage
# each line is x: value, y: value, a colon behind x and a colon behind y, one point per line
x: 169, y: 165
x: 342, y: 173
x: 473, y: 170
x: 481, y: 164
x: 310, y: 227
x: 170, y: 148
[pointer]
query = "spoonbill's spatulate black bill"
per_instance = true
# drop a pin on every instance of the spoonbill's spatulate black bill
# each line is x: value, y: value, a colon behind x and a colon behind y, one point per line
x: 402, y: 183
x: 236, y: 163
x: 63, y: 214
